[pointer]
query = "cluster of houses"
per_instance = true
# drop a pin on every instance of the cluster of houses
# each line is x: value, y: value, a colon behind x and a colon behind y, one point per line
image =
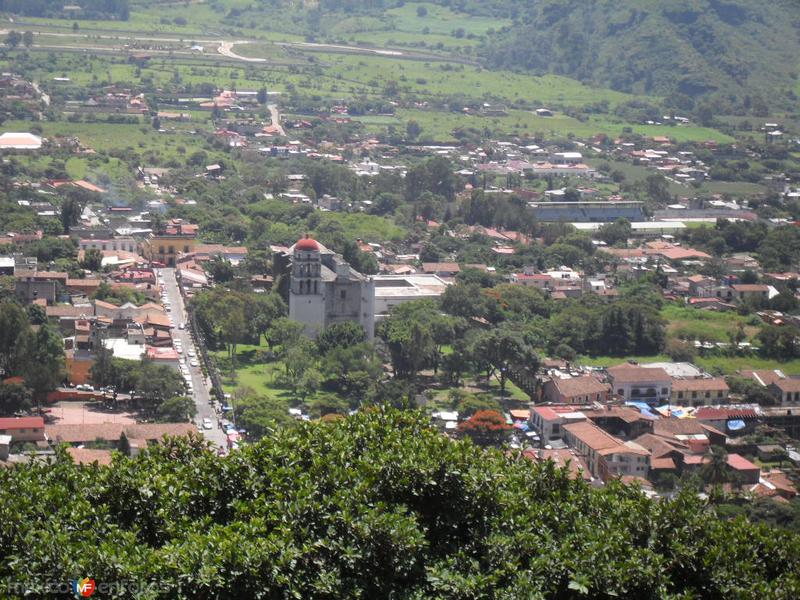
x: 643, y: 422
x: 76, y: 438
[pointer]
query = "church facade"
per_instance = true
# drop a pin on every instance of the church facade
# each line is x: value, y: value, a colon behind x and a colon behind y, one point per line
x: 324, y: 289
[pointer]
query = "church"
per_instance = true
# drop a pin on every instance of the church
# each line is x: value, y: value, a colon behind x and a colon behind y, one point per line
x: 324, y: 289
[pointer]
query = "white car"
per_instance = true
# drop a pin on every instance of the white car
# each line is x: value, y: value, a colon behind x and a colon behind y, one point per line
x: 207, y: 423
x: 193, y: 363
x: 178, y: 349
x: 191, y: 353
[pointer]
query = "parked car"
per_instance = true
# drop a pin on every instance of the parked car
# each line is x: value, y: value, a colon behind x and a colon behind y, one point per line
x: 207, y: 423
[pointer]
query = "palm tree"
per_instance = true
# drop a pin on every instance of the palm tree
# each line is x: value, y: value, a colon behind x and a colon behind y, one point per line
x: 716, y: 470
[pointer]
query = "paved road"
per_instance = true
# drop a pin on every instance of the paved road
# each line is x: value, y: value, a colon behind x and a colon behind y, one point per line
x: 201, y: 387
x: 276, y: 118
x: 226, y: 49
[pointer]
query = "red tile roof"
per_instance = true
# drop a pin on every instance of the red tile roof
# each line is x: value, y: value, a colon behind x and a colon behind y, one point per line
x: 21, y: 423
x: 740, y: 463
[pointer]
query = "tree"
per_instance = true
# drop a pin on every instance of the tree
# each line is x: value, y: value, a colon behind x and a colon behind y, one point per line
x: 614, y: 233
x: 14, y: 398
x: 27, y: 39
x: 422, y: 11
x: 260, y: 415
x: 92, y: 259
x: 13, y: 39
x: 485, y: 428
x: 43, y: 369
x: 284, y: 333
x: 124, y: 445
x: 13, y: 327
x: 177, y: 409
x: 262, y: 96
x: 71, y: 210
x: 716, y: 470
x: 340, y: 335
x: 502, y: 349
x: 390, y: 508
x: 413, y: 129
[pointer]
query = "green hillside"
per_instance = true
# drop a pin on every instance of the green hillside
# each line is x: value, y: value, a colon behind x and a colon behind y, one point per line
x: 742, y: 52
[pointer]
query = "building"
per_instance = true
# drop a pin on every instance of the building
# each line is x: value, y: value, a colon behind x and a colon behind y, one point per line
x: 324, y: 289
x: 699, y: 392
x: 549, y: 421
x: 786, y: 390
x: 748, y: 291
x: 576, y: 390
x: 20, y: 141
x: 745, y: 471
x: 588, y: 212
x: 23, y: 429
x: 178, y: 237
x: 605, y: 455
x: 391, y: 290
x: 635, y: 383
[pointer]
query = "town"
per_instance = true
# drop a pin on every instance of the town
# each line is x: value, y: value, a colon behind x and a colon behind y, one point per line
x: 233, y: 252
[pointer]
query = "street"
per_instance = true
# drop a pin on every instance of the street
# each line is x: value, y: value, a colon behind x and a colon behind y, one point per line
x: 202, y: 393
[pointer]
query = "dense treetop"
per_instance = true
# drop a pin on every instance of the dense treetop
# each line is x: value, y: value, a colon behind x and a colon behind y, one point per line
x: 377, y: 505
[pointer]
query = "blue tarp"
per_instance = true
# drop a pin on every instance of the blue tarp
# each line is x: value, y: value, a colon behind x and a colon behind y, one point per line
x: 736, y: 425
x: 644, y: 408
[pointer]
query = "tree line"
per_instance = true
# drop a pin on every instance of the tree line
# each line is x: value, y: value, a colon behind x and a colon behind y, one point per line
x: 376, y: 505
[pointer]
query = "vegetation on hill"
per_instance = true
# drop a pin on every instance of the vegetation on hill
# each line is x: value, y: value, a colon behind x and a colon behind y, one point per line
x: 739, y: 49
x: 88, y: 9
x: 377, y: 505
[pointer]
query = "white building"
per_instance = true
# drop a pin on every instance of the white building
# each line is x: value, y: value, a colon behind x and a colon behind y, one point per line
x: 391, y: 290
x: 324, y: 289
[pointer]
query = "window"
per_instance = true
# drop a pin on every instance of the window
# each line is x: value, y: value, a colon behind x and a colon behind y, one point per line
x: 694, y: 395
x: 172, y: 249
x: 161, y: 249
x: 186, y: 248
x: 708, y: 394
x: 343, y: 294
x: 680, y: 395
x: 664, y: 391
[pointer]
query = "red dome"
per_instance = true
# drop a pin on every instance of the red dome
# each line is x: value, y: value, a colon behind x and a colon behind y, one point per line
x: 307, y: 244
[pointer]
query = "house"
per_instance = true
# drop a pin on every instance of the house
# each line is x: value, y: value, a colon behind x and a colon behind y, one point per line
x: 576, y: 390
x: 562, y: 458
x: 634, y: 383
x: 543, y: 281
x: 699, y: 392
x: 549, y: 421
x: 391, y: 290
x: 23, y: 429
x: 786, y: 390
x: 164, y: 248
x: 441, y: 269
x: 749, y: 291
x: 605, y: 455
x: 745, y: 471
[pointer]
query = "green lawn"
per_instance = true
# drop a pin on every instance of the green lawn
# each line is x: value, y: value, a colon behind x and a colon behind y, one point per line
x: 692, y: 324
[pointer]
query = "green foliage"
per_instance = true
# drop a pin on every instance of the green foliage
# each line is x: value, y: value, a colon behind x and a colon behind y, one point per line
x: 177, y: 409
x: 668, y: 46
x: 373, y: 506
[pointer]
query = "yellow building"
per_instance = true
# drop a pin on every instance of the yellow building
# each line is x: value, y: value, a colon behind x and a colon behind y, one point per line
x: 178, y: 237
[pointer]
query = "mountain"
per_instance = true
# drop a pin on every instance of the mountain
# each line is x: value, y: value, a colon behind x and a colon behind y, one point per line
x: 741, y: 52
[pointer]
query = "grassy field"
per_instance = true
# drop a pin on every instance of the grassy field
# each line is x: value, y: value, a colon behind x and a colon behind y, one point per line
x: 725, y: 365
x: 688, y: 323
x: 441, y: 20
x: 439, y: 126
